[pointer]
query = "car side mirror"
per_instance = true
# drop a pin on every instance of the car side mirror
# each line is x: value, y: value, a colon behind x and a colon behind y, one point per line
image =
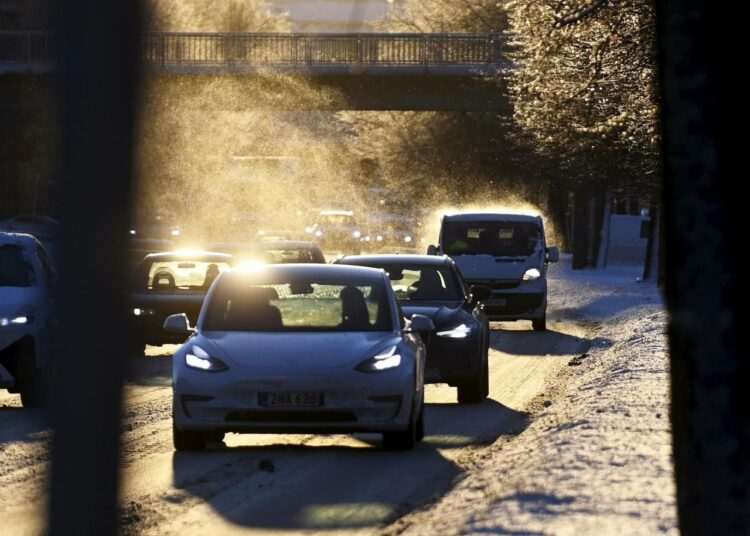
x: 178, y: 324
x: 423, y: 325
x: 553, y: 254
x: 432, y: 250
x: 479, y: 293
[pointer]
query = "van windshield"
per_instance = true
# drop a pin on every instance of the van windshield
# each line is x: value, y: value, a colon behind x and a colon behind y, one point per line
x: 496, y: 238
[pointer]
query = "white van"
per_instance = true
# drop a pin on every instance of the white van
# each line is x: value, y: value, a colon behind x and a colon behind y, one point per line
x: 507, y: 253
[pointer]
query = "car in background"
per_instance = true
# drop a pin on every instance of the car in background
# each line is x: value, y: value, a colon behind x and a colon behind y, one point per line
x: 167, y: 283
x: 393, y: 230
x: 336, y: 230
x: 507, y: 253
x: 27, y: 281
x: 273, y: 252
x: 457, y: 352
x: 299, y: 349
x: 150, y: 237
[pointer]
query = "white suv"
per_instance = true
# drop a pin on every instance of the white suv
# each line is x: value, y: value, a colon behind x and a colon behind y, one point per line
x: 26, y: 314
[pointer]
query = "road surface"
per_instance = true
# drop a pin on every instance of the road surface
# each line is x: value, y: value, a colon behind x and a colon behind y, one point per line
x: 280, y: 484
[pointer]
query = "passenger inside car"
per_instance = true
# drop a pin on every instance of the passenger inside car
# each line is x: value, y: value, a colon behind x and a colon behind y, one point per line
x: 429, y: 287
x: 354, y: 313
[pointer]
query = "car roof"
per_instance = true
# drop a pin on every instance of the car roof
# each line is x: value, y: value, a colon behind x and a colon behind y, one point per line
x: 493, y: 216
x: 426, y: 260
x: 18, y: 239
x: 309, y: 270
x: 200, y: 256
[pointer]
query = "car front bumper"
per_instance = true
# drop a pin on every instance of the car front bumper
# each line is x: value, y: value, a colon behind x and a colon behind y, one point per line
x: 352, y: 401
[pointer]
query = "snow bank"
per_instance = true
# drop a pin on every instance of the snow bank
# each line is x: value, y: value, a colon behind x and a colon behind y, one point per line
x: 596, y: 458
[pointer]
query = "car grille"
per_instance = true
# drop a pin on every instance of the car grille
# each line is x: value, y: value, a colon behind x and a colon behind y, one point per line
x: 496, y: 284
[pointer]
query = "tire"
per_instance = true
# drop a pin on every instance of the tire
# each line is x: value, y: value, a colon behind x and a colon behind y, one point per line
x: 406, y: 439
x: 188, y: 440
x: 34, y: 390
x: 476, y: 389
x: 137, y: 348
x: 540, y: 324
x: 420, y: 424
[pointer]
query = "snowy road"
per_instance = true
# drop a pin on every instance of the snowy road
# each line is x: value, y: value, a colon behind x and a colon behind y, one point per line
x: 289, y: 483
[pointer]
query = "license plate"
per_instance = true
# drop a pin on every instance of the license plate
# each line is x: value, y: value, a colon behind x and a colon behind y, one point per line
x: 290, y: 400
x: 497, y: 302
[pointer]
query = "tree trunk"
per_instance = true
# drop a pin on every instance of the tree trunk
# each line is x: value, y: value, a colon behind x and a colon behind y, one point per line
x: 557, y: 210
x: 581, y: 220
x: 601, y: 257
x: 704, y: 283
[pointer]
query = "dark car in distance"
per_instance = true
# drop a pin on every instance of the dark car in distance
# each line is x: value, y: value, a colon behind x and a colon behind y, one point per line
x: 457, y: 350
x: 171, y: 283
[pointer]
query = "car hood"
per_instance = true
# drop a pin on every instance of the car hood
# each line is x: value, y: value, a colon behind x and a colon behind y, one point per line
x: 441, y: 313
x: 18, y: 300
x: 306, y: 350
x: 489, y: 267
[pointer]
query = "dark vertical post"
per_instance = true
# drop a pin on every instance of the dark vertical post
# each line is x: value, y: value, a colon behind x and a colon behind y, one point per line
x: 98, y: 100
x: 704, y: 239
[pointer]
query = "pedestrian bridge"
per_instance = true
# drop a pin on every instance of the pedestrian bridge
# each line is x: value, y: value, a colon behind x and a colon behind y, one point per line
x: 371, y: 71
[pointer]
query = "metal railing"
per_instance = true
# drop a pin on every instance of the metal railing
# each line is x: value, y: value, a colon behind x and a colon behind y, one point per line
x: 28, y: 47
x: 277, y: 49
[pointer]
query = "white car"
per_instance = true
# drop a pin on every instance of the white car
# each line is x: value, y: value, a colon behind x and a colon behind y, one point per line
x: 26, y: 314
x: 298, y: 348
x: 507, y: 253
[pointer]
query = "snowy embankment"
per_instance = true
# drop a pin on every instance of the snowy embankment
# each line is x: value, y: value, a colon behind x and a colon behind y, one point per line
x: 596, y: 457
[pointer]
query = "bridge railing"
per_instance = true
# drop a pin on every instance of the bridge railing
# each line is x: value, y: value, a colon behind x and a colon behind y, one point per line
x: 27, y: 47
x: 270, y: 49
x: 326, y: 49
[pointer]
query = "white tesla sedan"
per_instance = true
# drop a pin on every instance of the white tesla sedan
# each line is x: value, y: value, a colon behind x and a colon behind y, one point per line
x: 299, y: 349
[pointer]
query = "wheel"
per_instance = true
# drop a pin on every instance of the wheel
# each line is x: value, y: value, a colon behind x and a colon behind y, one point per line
x: 540, y: 324
x: 214, y: 437
x: 406, y: 439
x: 34, y: 390
x: 188, y: 440
x: 420, y: 426
x: 137, y: 348
x: 476, y: 389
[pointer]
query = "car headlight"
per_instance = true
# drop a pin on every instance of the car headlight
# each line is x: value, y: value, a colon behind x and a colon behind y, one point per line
x: 176, y: 232
x: 142, y: 311
x: 198, y: 358
x: 459, y: 332
x: 407, y: 239
x: 387, y: 359
x: 319, y: 233
x: 15, y: 320
x: 379, y: 238
x: 531, y: 274
x: 357, y: 234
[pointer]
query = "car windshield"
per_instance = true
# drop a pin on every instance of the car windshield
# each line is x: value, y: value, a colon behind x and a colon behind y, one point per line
x: 413, y: 283
x: 15, y: 271
x: 298, y: 305
x: 496, y: 238
x: 181, y: 276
